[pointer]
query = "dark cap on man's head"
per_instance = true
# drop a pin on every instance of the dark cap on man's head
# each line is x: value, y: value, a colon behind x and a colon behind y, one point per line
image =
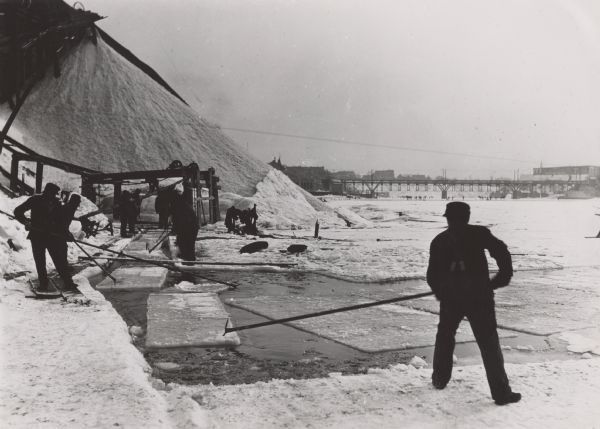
x: 457, y: 209
x: 51, y: 189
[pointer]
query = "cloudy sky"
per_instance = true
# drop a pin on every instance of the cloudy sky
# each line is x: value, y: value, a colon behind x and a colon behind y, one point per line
x: 477, y: 87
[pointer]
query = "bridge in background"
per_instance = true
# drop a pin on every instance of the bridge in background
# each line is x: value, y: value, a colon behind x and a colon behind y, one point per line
x: 374, y: 187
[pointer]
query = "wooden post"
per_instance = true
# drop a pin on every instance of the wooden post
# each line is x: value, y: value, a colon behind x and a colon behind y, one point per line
x: 117, y: 200
x: 211, y: 201
x: 13, y: 115
x: 217, y: 212
x: 87, y: 189
x: 39, y: 177
x: 14, y: 173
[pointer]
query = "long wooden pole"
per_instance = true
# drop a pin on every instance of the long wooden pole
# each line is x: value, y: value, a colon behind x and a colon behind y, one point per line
x: 325, y: 312
x: 170, y: 261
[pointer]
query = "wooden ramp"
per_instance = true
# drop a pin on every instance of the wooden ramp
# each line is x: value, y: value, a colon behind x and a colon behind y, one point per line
x: 135, y: 278
x: 187, y: 320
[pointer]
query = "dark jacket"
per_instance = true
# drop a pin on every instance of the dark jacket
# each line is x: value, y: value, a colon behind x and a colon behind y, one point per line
x: 46, y: 216
x: 127, y: 208
x: 457, y: 261
x: 184, y: 217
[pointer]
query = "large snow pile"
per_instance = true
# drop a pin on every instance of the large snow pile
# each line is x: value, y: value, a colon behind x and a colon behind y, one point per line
x: 104, y: 113
x: 281, y: 204
x: 13, y: 260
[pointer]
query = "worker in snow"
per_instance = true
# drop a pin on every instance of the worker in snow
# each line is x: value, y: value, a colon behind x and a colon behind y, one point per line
x: 231, y: 215
x: 127, y: 214
x: 458, y: 275
x: 185, y: 225
x: 46, y: 232
x: 253, y: 217
x: 162, y: 206
x: 137, y: 202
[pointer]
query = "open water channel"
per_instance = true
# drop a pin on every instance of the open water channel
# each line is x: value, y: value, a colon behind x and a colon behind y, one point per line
x: 280, y: 351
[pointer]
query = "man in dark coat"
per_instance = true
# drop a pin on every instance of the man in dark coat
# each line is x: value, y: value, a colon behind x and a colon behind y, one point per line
x: 185, y: 225
x: 127, y: 214
x: 458, y: 275
x: 47, y: 231
x: 162, y: 206
x: 231, y: 216
x: 137, y: 202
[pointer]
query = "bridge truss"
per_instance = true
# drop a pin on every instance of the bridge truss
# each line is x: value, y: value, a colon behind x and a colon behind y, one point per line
x: 374, y: 187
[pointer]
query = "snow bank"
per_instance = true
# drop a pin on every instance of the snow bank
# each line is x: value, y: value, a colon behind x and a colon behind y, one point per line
x: 281, y: 204
x: 556, y: 394
x: 72, y: 365
x: 352, y: 218
x: 578, y: 343
x: 12, y: 261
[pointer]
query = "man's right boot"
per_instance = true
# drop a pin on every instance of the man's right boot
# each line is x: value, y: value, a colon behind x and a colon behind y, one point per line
x: 511, y: 398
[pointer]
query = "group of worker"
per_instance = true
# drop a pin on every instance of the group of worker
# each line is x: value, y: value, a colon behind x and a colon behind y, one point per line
x: 247, y: 218
x: 457, y: 272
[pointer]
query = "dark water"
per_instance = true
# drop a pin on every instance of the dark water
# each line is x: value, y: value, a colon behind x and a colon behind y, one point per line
x: 279, y: 342
x: 276, y: 351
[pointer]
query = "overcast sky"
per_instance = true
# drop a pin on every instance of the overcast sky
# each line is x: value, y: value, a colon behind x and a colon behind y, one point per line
x: 516, y: 82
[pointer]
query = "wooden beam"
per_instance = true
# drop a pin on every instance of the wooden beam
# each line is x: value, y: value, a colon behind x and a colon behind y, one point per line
x: 39, y: 177
x: 14, y: 113
x: 14, y: 173
x: 171, y: 261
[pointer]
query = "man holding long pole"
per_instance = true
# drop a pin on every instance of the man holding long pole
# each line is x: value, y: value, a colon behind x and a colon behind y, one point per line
x: 46, y: 232
x: 458, y: 275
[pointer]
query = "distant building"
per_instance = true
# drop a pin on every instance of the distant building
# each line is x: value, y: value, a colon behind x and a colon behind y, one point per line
x: 277, y: 164
x: 413, y: 177
x: 579, y: 173
x: 380, y: 175
x: 344, y: 175
x: 311, y: 179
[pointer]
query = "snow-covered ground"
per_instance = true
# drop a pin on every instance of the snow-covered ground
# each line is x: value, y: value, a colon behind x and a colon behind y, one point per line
x: 72, y: 365
x: 388, y: 246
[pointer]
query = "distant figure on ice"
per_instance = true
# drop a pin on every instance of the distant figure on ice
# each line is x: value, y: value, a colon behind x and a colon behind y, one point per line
x: 231, y: 215
x: 127, y: 214
x: 137, y: 202
x: 46, y: 231
x: 162, y: 206
x: 458, y: 275
x: 249, y: 218
x: 185, y: 225
x: 253, y: 217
